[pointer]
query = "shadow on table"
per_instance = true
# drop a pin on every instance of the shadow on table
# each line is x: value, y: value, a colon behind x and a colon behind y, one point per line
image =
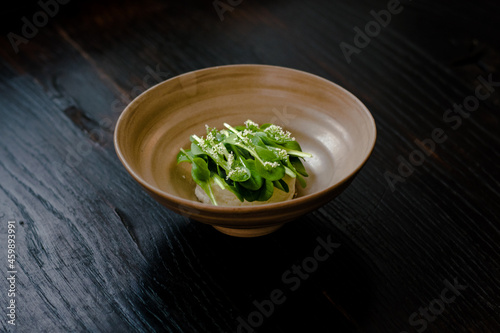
x: 303, y: 277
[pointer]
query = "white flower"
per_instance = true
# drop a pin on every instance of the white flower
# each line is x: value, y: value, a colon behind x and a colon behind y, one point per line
x: 235, y: 171
x: 246, y: 133
x: 249, y: 123
x: 271, y: 164
x: 281, y: 153
x: 220, y: 149
x: 277, y: 133
x: 210, y: 137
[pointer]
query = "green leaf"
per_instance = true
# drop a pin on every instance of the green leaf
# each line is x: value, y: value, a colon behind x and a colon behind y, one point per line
x: 196, y: 150
x: 232, y: 139
x: 301, y: 180
x: 258, y: 139
x: 199, y: 170
x: 241, y: 174
x: 248, y: 195
x: 240, y: 152
x: 289, y: 164
x: 221, y: 172
x: 299, y: 167
x: 255, y: 181
x: 291, y: 145
x: 266, y: 191
x: 228, y: 187
x: 293, y: 149
x: 281, y: 185
x: 205, y: 185
x: 183, y: 157
x: 235, y: 192
x: 268, y: 172
x: 212, y: 165
x: 201, y: 175
x: 266, y: 140
x: 266, y: 155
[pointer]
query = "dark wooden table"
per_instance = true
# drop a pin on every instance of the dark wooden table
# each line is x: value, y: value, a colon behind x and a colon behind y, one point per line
x: 415, y: 238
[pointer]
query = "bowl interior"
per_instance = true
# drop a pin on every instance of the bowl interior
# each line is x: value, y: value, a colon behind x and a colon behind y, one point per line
x: 325, y: 119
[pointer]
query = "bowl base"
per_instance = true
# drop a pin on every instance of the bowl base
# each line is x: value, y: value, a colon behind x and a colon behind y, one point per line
x: 250, y: 232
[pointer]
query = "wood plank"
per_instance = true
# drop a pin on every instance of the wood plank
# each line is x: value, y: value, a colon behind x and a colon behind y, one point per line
x: 97, y: 254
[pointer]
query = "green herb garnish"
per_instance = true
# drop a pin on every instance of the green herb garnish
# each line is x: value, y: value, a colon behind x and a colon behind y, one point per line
x: 250, y: 160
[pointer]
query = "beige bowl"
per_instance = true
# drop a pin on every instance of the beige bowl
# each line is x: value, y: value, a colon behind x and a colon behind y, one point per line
x: 326, y: 120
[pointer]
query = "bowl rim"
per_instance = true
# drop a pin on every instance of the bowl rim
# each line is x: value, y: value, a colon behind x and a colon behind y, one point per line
x: 199, y: 206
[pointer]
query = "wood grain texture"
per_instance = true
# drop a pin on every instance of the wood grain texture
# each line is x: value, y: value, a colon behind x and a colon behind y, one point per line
x: 97, y: 254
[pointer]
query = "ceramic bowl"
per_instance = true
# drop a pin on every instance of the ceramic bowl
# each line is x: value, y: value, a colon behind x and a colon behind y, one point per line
x: 327, y: 120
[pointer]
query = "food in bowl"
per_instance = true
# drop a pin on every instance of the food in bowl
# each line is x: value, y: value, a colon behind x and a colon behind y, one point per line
x: 245, y: 165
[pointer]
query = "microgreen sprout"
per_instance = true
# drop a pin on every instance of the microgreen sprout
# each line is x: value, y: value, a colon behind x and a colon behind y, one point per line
x: 250, y: 160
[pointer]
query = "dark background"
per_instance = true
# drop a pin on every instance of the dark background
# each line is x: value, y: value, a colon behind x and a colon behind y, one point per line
x: 97, y: 254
